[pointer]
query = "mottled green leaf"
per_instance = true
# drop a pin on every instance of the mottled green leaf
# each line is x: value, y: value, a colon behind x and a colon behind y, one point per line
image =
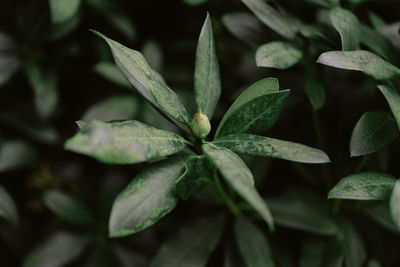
x: 124, y: 142
x: 316, y: 94
x: 355, y: 253
x: 122, y: 107
x: 360, y: 60
x: 15, y: 154
x: 364, y: 186
x: 278, y: 55
x: 58, y: 250
x: 110, y: 72
x: 207, y: 83
x: 192, y: 245
x: 147, y: 198
x: 8, y: 209
x: 373, y: 131
x: 378, y: 44
x: 269, y: 147
x: 394, y: 204
x: 136, y: 69
x: 255, y: 110
x: 237, y: 174
x: 393, y: 98
x: 270, y: 17
x: 63, y: 10
x: 346, y: 23
x: 253, y: 245
x: 192, y: 179
x: 67, y: 207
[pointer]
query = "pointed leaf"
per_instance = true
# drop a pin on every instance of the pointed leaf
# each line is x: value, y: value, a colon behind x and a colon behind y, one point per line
x: 373, y: 131
x: 253, y: 245
x: 364, y: 186
x: 136, y: 69
x: 360, y: 60
x: 238, y: 175
x: 63, y: 10
x: 255, y: 110
x: 111, y: 72
x: 8, y: 209
x: 147, y: 198
x: 207, y: 83
x: 394, y: 204
x: 67, y: 207
x: 58, y: 250
x: 124, y: 142
x: 192, y: 245
x: 346, y: 23
x: 123, y: 107
x: 256, y: 145
x: 393, y: 98
x: 278, y: 55
x: 271, y: 18
x: 15, y: 154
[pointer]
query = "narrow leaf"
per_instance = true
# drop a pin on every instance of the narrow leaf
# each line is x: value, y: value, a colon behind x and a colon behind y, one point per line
x: 67, y: 207
x: 147, y: 198
x: 111, y: 72
x: 63, y: 10
x: 373, y: 131
x: 255, y: 110
x: 124, y: 142
x: 394, y: 204
x: 316, y: 94
x: 271, y: 18
x: 122, y: 107
x: 238, y: 175
x: 393, y: 98
x: 360, y: 60
x: 8, y: 209
x: 269, y: 147
x: 207, y: 83
x: 253, y: 245
x: 364, y: 186
x: 346, y: 23
x: 58, y: 250
x: 136, y: 69
x: 192, y: 245
x: 278, y: 55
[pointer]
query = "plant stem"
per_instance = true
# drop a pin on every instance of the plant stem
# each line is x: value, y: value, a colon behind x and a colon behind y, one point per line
x: 228, y: 201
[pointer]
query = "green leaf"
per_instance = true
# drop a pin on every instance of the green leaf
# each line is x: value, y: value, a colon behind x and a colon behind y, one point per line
x: 278, y: 55
x: 110, y: 72
x: 355, y: 253
x: 67, y: 207
x: 253, y: 245
x: 58, y: 250
x: 360, y: 60
x: 8, y: 209
x: 153, y: 54
x: 346, y: 23
x: 207, y: 83
x: 373, y: 131
x: 302, y: 213
x: 122, y: 107
x: 255, y: 110
x: 271, y: 18
x: 147, y: 198
x: 136, y: 69
x: 376, y: 21
x: 378, y: 44
x: 316, y: 94
x: 192, y: 180
x: 121, y: 23
x: 380, y: 214
x: 373, y: 263
x: 63, y: 10
x: 9, y: 61
x: 237, y: 174
x: 15, y: 154
x: 124, y: 142
x: 364, y: 186
x: 194, y: 2
x: 393, y: 98
x: 269, y: 147
x: 394, y: 204
x: 192, y: 245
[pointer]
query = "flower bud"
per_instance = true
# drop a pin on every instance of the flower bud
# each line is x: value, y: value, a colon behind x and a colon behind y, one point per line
x: 200, y: 125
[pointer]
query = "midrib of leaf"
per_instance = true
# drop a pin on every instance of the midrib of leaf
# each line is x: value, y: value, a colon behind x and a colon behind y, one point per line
x: 196, y: 243
x: 375, y: 131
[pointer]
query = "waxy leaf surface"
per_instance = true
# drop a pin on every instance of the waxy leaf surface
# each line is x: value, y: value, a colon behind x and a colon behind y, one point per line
x: 346, y: 23
x: 393, y: 98
x: 278, y: 55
